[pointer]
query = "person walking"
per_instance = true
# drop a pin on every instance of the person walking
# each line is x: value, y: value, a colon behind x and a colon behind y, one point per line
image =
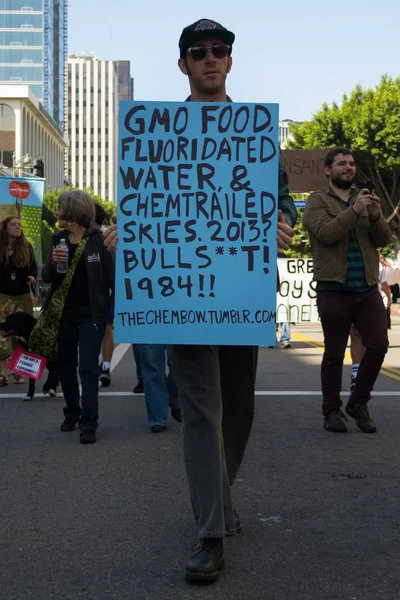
x: 85, y: 307
x: 160, y: 391
x: 107, y: 345
x: 18, y: 273
x: 346, y: 226
x: 217, y: 406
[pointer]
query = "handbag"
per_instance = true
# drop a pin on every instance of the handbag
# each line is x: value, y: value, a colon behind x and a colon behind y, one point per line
x: 44, y: 337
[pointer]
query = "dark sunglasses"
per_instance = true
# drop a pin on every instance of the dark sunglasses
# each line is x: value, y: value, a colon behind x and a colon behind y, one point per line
x: 200, y: 52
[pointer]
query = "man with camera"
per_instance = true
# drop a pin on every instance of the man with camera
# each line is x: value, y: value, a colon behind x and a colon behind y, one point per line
x: 346, y: 226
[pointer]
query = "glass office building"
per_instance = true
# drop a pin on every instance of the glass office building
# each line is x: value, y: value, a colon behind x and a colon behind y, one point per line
x: 33, y: 49
x: 124, y: 80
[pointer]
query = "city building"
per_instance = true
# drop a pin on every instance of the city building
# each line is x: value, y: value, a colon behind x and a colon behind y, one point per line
x: 284, y: 132
x: 33, y: 49
x: 94, y: 89
x: 27, y: 134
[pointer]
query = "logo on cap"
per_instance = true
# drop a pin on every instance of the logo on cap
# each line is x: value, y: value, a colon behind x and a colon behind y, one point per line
x: 205, y: 26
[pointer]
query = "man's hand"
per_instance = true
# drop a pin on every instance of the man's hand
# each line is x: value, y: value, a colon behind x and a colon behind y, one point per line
x: 374, y: 209
x: 285, y: 233
x: 31, y: 280
x: 110, y: 236
x: 363, y: 201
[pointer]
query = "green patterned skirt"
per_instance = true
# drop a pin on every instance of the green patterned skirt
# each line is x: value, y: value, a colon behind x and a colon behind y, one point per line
x: 8, y: 305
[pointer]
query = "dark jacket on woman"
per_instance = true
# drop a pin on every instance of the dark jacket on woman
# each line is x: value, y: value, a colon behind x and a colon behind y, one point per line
x: 100, y: 274
x: 14, y: 280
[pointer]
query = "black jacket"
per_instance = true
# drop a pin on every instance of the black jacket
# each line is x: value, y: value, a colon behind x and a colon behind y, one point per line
x: 14, y: 280
x: 100, y: 271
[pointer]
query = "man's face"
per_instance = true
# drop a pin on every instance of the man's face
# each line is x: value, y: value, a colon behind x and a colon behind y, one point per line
x: 342, y: 172
x: 208, y: 75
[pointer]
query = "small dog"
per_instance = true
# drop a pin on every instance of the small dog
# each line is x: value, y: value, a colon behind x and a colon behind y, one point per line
x: 20, y: 325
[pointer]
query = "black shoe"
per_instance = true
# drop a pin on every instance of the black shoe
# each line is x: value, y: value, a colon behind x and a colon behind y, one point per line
x: 176, y: 413
x: 360, y: 413
x: 139, y: 387
x: 334, y: 422
x: 68, y: 425
x: 88, y: 436
x: 158, y: 428
x: 207, y: 560
x: 352, y: 384
x: 105, y: 377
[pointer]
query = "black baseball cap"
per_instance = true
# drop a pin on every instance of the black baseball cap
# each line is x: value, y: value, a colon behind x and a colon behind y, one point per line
x: 204, y: 28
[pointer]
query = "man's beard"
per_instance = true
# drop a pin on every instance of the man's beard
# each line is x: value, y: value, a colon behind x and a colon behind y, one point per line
x: 341, y: 183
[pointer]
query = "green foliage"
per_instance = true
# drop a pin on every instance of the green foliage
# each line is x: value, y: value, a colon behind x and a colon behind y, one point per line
x: 301, y: 247
x: 49, y: 223
x: 46, y: 234
x: 368, y: 122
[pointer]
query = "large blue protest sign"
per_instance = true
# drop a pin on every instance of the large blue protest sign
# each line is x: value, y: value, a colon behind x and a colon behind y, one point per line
x: 197, y: 212
x: 22, y: 197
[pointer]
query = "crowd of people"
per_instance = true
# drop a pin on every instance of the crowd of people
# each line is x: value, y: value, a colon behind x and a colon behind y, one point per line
x: 209, y: 388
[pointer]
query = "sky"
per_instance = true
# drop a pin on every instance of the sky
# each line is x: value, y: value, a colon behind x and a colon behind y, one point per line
x: 297, y: 54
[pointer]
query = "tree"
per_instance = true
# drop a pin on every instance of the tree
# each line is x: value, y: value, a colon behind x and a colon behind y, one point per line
x: 368, y: 122
x: 300, y: 247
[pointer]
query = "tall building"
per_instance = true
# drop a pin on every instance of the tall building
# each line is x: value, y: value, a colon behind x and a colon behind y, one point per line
x: 94, y: 89
x: 27, y: 132
x: 33, y: 49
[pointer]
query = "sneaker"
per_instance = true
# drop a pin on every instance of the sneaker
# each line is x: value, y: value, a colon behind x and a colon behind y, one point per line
x: 352, y: 383
x: 158, y: 428
x: 68, y: 425
x: 286, y: 344
x: 360, y: 413
x: 176, y: 413
x: 334, y: 422
x: 139, y: 387
x: 88, y: 436
x: 105, y: 377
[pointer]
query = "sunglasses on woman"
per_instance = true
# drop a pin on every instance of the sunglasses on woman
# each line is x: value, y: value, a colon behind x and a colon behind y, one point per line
x: 200, y: 52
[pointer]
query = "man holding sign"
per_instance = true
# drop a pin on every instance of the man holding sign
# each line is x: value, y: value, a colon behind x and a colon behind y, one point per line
x: 216, y: 382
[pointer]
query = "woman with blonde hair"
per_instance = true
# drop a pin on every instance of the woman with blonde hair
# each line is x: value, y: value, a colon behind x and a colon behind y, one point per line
x: 18, y: 272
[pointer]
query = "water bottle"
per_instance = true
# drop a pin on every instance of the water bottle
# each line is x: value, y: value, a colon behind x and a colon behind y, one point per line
x: 62, y: 266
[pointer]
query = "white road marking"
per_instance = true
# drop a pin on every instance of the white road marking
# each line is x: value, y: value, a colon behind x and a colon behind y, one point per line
x: 118, y: 354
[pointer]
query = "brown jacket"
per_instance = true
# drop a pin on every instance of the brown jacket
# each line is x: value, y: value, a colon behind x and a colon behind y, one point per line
x: 328, y: 222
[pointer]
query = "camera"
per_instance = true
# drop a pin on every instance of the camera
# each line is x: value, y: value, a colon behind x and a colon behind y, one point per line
x: 369, y: 185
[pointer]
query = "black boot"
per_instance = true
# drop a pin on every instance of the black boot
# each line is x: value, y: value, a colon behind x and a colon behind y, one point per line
x: 360, y: 413
x: 207, y: 560
x: 139, y: 387
x: 334, y: 422
x: 176, y: 413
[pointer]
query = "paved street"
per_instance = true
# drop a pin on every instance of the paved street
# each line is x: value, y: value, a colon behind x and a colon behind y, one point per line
x: 113, y: 520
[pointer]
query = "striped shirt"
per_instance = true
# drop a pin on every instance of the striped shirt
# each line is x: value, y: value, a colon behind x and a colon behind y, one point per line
x: 355, y: 276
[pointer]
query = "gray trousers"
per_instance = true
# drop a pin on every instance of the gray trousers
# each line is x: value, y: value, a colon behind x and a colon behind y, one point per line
x: 216, y: 387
